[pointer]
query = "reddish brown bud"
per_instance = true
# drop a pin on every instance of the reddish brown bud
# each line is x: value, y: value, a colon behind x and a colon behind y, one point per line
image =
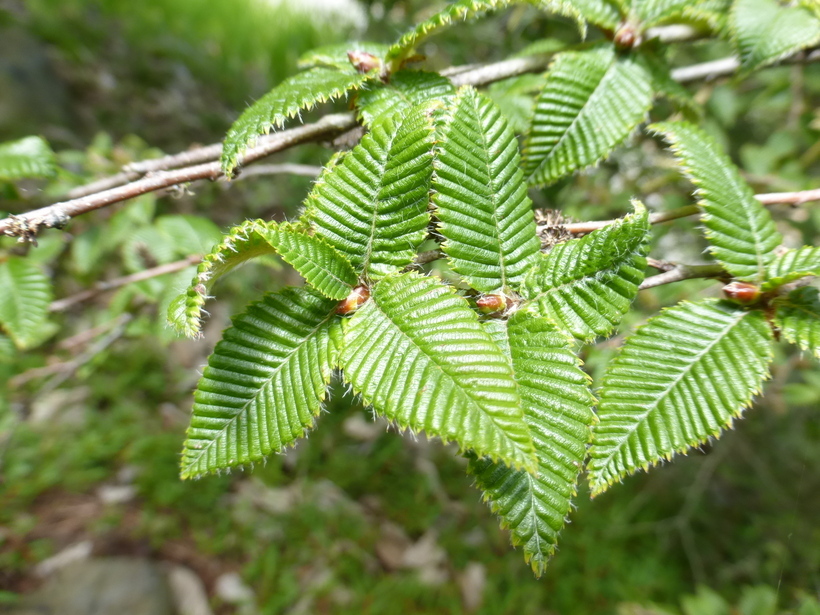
x: 357, y: 297
x: 627, y: 36
x: 362, y: 61
x: 491, y: 304
x: 742, y: 292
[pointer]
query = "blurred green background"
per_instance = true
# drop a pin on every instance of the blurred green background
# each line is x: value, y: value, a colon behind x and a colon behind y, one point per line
x: 357, y: 518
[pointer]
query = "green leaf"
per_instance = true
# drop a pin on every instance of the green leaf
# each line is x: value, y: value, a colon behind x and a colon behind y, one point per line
x: 418, y: 354
x: 764, y: 32
x: 812, y: 5
x: 516, y: 99
x: 739, y: 227
x: 467, y: 10
x: 241, y: 244
x: 652, y: 12
x: 28, y: 157
x: 603, y: 13
x: 372, y: 205
x: 665, y: 86
x: 481, y: 199
x: 265, y: 382
x: 317, y: 261
x: 585, y: 286
x: 24, y: 300
x: 407, y: 89
x: 798, y: 318
x: 681, y: 379
x: 791, y: 266
x: 558, y: 410
x: 713, y: 13
x: 335, y: 56
x: 7, y: 352
x: 286, y: 100
x: 592, y: 101
x: 189, y: 234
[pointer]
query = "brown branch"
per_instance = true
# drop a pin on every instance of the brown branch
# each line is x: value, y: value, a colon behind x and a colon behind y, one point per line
x: 772, y: 198
x: 683, y: 272
x: 101, y: 287
x: 202, y: 163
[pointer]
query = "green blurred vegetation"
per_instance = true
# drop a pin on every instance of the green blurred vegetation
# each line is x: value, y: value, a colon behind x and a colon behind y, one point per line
x: 732, y: 530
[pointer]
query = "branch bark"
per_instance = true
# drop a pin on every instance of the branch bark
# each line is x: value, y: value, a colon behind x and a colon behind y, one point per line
x: 202, y: 163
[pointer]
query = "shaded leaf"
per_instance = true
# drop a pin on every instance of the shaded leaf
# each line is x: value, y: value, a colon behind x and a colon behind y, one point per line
x: 407, y: 89
x: 25, y: 294
x: 335, y: 56
x: 798, y: 318
x: 791, y: 266
x: 27, y: 157
x: 764, y: 32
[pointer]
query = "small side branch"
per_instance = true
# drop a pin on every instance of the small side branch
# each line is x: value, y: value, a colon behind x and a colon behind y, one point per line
x: 683, y: 272
x: 101, y: 287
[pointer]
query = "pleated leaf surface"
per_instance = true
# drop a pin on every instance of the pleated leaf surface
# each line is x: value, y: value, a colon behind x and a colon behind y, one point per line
x: 372, y: 205
x: 241, y: 244
x: 406, y: 89
x: 791, y: 266
x: 585, y: 286
x: 680, y: 380
x: 558, y: 410
x: 651, y: 12
x: 25, y: 294
x: 264, y: 383
x: 798, y: 318
x: 27, y: 157
x: 764, y: 31
x: 592, y: 102
x: 481, y: 200
x: 322, y: 266
x: 417, y: 353
x: 740, y: 229
x: 295, y: 94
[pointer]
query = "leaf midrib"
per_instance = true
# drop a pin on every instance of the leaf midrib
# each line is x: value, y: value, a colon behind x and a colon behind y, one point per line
x: 462, y: 391
x: 604, y: 462
x: 267, y: 381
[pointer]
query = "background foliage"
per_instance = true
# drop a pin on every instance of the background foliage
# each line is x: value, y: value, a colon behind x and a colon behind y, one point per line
x: 315, y: 531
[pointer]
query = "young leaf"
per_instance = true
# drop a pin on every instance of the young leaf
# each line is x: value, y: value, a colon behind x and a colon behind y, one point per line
x: 652, y: 12
x: 265, y: 381
x: 481, y: 199
x: 335, y: 56
x: 586, y: 285
x: 681, y: 379
x: 28, y: 157
x: 665, y: 87
x: 791, y: 266
x: 798, y: 318
x: 418, y: 354
x: 319, y: 263
x: 286, y: 100
x: 592, y: 101
x: 603, y: 13
x: 25, y: 294
x: 764, y: 32
x: 739, y: 227
x: 372, y: 206
x: 407, y: 89
x: 465, y: 10
x: 241, y: 244
x: 516, y: 99
x: 558, y: 410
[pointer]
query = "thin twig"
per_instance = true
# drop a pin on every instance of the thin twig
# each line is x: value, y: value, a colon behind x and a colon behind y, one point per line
x: 305, y: 170
x: 683, y: 272
x: 101, y: 287
x: 202, y: 163
x: 771, y: 198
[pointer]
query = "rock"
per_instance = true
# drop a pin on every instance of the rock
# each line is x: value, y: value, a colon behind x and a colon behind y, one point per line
x: 188, y: 591
x: 104, y: 586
